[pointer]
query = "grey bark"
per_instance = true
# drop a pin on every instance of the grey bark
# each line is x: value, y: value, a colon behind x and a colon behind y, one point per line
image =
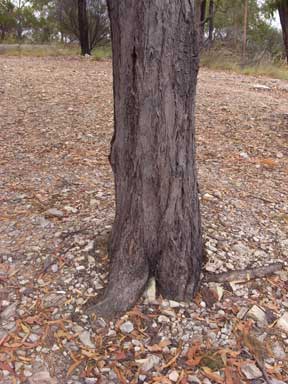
x: 157, y: 228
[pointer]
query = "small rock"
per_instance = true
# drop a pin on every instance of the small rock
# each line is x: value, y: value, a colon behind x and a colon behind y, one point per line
x: 208, y: 197
x: 27, y: 373
x: 206, y: 381
x: 90, y: 246
x: 8, y: 312
x: 250, y: 371
x: 86, y: 340
x: 257, y: 314
x: 91, y: 380
x: 53, y: 300
x: 163, y: 319
x: 261, y: 87
x: 70, y: 209
x: 54, y: 268
x: 173, y: 376
x: 150, y: 362
x: 174, y: 304
x: 241, y: 314
x: 244, y: 155
x: 275, y: 381
x: 278, y: 351
x: 42, y: 377
x: 127, y: 327
x: 193, y: 379
x: 33, y: 337
x: 241, y: 249
x: 54, y: 212
x: 150, y: 292
x: 282, y: 323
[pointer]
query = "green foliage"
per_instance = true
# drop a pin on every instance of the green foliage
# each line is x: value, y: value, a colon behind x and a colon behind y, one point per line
x: 7, y: 18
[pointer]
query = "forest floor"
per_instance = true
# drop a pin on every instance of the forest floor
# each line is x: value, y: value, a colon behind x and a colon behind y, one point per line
x: 57, y: 207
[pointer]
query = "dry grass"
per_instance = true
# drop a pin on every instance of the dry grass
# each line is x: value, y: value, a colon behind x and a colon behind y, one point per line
x: 43, y: 50
x: 231, y: 63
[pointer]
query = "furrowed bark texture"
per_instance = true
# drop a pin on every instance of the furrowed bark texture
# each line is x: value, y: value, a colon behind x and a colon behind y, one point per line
x: 157, y: 227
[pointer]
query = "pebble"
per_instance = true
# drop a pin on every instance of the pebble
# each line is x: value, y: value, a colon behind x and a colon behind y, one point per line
x: 150, y: 362
x: 54, y: 268
x: 27, y: 373
x: 173, y: 376
x: 9, y: 312
x: 193, y: 379
x: 257, y: 314
x: 163, y: 319
x: 127, y: 327
x: 282, y: 323
x: 55, y: 212
x: 251, y: 372
x: 85, y: 339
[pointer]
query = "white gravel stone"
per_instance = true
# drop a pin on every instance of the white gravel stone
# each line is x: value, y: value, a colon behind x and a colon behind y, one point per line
x: 257, y: 314
x: 251, y: 372
x: 282, y: 323
x: 55, y: 212
x: 127, y: 327
x: 150, y: 362
x: 150, y: 292
x: 85, y: 339
x: 173, y: 376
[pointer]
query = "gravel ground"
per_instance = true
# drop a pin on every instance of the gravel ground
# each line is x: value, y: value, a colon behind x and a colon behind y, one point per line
x: 56, y: 213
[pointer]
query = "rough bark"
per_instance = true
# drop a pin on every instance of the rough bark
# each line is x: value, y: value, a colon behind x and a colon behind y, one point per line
x: 83, y: 27
x: 157, y: 227
x: 283, y: 14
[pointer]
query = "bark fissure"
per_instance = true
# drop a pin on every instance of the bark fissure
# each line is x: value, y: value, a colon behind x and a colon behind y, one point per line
x: 157, y: 225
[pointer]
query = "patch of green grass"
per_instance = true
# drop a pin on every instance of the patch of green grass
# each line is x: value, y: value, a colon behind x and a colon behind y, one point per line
x: 100, y: 53
x: 230, y: 63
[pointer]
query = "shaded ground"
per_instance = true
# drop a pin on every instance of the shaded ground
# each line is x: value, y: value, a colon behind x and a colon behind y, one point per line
x: 56, y: 213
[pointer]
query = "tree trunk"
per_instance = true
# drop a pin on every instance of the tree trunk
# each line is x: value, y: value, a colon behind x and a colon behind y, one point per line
x: 83, y: 28
x: 283, y: 14
x: 202, y: 22
x: 157, y: 229
x: 211, y: 22
x: 245, y: 18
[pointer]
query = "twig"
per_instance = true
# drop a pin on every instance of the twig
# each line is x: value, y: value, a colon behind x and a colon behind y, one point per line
x: 244, y: 274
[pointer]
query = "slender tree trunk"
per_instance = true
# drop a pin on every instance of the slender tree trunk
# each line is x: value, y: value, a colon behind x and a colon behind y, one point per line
x: 83, y: 27
x: 157, y: 227
x: 283, y: 14
x: 211, y: 22
x: 202, y: 22
x: 245, y: 18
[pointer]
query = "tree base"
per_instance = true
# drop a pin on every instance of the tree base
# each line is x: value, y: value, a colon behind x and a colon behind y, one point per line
x: 118, y: 297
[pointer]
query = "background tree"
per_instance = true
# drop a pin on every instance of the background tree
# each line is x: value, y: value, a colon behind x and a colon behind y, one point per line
x: 83, y: 28
x: 7, y: 18
x: 157, y: 229
x: 282, y: 7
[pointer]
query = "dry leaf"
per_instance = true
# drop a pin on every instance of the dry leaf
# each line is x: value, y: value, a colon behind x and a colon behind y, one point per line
x: 212, y: 375
x: 73, y: 366
x: 231, y: 376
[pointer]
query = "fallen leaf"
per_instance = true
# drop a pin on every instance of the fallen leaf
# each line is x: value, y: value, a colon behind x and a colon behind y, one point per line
x: 73, y: 366
x: 231, y: 376
x: 212, y: 375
